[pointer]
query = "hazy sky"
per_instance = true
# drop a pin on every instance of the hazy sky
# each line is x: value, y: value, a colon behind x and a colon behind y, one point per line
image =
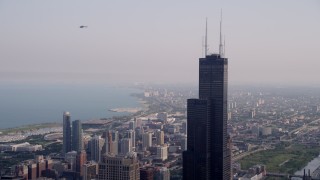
x: 157, y: 41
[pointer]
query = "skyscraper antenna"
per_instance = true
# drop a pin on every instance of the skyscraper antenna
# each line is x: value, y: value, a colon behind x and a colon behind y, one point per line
x: 202, y: 45
x: 220, y: 45
x: 206, y: 39
x: 224, y: 46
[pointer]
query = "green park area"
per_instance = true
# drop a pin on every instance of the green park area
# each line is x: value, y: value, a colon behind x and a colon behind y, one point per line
x: 286, y: 160
x: 9, y: 158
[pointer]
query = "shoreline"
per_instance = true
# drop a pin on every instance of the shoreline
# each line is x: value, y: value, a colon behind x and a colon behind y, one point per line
x: 85, y: 103
x: 125, y: 110
x: 143, y: 106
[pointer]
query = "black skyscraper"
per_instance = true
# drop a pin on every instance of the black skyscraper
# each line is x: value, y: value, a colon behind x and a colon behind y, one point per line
x: 66, y: 133
x: 208, y: 154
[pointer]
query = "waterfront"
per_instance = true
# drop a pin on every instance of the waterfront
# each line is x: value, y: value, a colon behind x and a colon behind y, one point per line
x: 32, y: 104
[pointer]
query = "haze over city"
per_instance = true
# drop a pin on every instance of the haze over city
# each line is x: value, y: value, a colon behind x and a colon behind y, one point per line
x: 143, y: 90
x: 270, y: 42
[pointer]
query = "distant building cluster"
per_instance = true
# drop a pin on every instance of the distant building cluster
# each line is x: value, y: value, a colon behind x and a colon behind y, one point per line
x: 256, y: 172
x: 151, y: 93
x: 142, y: 148
x: 32, y: 169
x: 20, y: 147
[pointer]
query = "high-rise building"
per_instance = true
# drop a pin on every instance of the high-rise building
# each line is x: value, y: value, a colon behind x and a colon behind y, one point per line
x: 126, y: 146
x: 132, y: 125
x: 41, y: 166
x: 160, y: 137
x: 146, y: 140
x: 183, y: 143
x: 114, y: 142
x: 208, y: 154
x: 77, y: 136
x: 66, y: 133
x: 162, y: 173
x: 162, y: 152
x: 184, y: 127
x: 71, y: 158
x: 49, y: 163
x: 111, y: 142
x: 81, y: 160
x: 32, y: 171
x: 96, y: 144
x: 90, y: 170
x: 115, y: 167
x: 252, y: 113
x: 138, y: 122
x: 107, y: 136
x: 131, y: 134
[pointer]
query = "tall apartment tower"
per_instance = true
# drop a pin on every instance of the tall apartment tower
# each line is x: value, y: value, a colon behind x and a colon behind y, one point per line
x: 208, y: 154
x: 77, y: 136
x: 146, y: 140
x: 132, y: 125
x: 111, y: 142
x: 162, y: 152
x: 126, y: 145
x: 131, y: 134
x: 160, y: 137
x: 114, y: 142
x: 66, y: 133
x: 81, y: 160
x: 96, y: 147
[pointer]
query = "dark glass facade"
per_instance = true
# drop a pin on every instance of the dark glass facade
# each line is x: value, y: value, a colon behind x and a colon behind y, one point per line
x: 66, y: 133
x: 77, y: 136
x: 208, y: 154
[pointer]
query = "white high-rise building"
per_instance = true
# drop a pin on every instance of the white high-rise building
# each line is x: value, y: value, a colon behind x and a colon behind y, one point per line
x: 162, y: 152
x: 146, y: 140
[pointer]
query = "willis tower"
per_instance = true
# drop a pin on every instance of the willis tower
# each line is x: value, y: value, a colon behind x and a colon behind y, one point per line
x: 208, y: 154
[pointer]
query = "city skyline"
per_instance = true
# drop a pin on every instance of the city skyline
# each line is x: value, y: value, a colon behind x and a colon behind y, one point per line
x: 270, y: 42
x: 174, y: 132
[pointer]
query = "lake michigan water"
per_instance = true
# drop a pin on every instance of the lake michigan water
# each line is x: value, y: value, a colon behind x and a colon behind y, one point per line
x: 31, y: 104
